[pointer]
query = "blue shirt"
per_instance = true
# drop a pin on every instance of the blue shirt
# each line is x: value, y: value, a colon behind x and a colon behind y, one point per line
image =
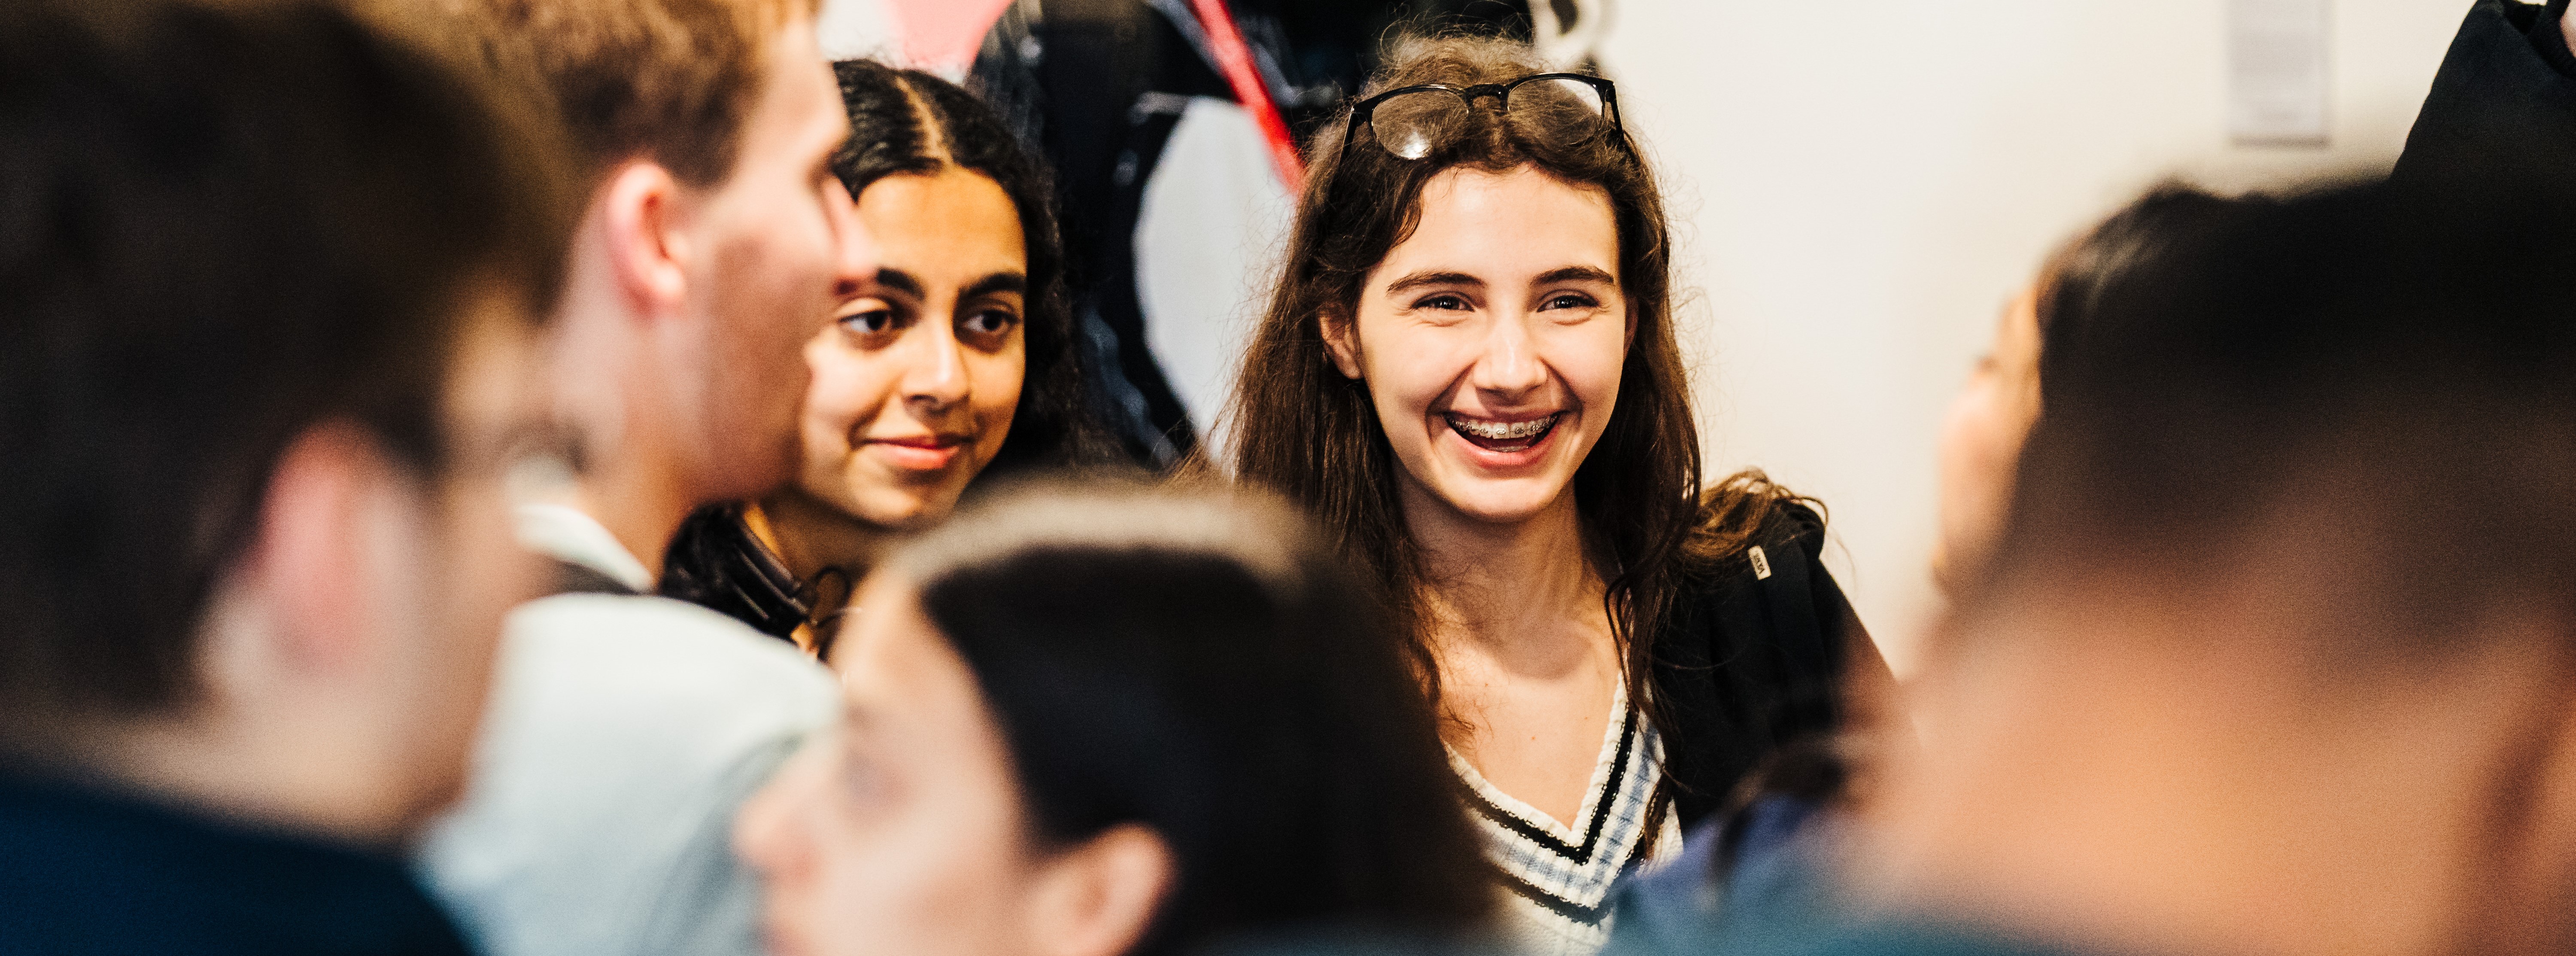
x: 86, y: 871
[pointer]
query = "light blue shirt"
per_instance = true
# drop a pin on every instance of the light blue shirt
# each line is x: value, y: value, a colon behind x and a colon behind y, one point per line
x: 623, y: 734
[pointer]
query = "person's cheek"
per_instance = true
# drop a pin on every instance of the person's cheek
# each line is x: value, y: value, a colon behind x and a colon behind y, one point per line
x: 1589, y: 359
x: 1977, y: 452
x: 1417, y: 364
x: 836, y: 408
x: 772, y: 831
x: 843, y: 397
x: 998, y: 384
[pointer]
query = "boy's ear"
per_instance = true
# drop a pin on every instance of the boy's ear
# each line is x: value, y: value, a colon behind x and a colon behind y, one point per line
x: 1099, y: 898
x: 318, y: 528
x: 639, y: 216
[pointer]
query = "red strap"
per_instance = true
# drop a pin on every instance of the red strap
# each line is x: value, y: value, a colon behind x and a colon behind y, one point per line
x: 1235, y: 56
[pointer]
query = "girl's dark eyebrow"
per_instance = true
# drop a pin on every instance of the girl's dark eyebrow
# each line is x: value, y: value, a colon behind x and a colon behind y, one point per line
x: 900, y: 281
x: 1577, y: 274
x: 1420, y: 279
x: 998, y: 282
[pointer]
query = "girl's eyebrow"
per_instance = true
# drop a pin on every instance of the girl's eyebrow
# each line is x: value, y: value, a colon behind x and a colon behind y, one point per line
x: 900, y: 281
x: 1577, y: 274
x: 1425, y: 278
x: 998, y: 282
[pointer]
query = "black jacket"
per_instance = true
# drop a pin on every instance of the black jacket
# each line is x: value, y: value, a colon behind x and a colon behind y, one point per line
x: 83, y: 871
x: 1751, y: 662
x: 2503, y: 107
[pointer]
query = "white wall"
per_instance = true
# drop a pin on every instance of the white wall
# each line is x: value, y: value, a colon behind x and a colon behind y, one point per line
x: 1859, y: 186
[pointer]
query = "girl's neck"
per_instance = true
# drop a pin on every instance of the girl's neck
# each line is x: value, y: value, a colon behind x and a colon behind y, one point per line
x: 1509, y: 589
x: 809, y: 535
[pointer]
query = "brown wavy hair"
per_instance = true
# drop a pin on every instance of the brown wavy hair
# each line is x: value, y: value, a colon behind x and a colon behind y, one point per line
x: 1304, y: 431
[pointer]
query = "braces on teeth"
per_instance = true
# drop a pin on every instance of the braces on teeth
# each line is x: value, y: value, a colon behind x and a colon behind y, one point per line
x: 1495, y: 431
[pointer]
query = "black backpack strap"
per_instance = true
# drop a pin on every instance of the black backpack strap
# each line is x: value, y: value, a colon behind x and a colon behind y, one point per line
x: 1752, y: 661
x: 1807, y: 643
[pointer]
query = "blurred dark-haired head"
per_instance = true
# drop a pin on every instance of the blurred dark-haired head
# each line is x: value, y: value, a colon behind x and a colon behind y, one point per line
x: 2135, y: 240
x: 2355, y: 392
x: 258, y: 258
x: 1180, y: 694
x: 2007, y: 390
x: 2273, y: 652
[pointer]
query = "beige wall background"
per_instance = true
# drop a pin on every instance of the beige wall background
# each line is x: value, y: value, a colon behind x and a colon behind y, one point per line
x: 1858, y: 187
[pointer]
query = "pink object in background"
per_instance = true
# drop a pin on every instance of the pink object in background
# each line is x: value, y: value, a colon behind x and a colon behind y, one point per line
x: 942, y: 35
x: 1235, y: 57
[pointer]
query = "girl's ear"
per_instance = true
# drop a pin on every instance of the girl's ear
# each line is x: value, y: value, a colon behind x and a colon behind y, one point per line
x: 1099, y: 898
x: 1342, y: 341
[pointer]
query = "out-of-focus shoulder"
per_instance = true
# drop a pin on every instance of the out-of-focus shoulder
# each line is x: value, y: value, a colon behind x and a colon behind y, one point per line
x: 662, y: 662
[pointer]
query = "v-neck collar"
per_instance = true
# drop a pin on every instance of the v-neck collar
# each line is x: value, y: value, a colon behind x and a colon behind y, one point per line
x: 1605, y: 761
x: 1561, y: 872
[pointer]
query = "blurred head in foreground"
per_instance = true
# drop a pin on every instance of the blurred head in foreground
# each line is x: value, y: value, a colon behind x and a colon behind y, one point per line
x: 1087, y: 721
x: 2273, y: 655
x: 1982, y: 437
x: 269, y: 281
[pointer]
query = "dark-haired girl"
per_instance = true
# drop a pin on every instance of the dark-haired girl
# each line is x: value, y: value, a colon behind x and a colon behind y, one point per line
x: 1468, y: 372
x: 1114, y: 722
x: 958, y: 357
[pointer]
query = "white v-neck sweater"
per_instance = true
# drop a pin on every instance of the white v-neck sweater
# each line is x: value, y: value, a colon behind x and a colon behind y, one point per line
x: 1558, y: 877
